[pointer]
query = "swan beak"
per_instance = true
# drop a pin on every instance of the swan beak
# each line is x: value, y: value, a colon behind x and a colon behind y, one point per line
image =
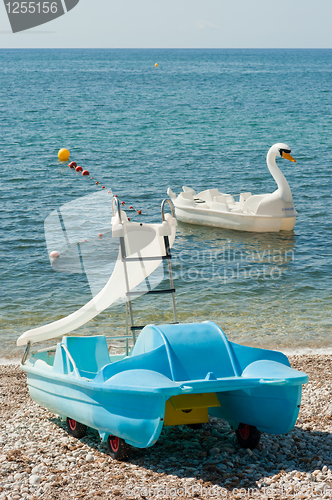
x: 287, y: 156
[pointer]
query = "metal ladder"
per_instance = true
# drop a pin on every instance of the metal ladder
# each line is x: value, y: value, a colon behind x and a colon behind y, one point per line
x: 128, y: 303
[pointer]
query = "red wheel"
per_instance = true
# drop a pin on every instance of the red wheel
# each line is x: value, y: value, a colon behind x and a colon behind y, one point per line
x: 72, y: 424
x: 248, y: 436
x: 244, y: 431
x: 75, y: 428
x: 118, y: 448
x: 114, y: 443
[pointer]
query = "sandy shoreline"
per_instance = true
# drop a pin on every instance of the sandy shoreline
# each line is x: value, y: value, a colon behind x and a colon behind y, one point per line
x: 38, y: 459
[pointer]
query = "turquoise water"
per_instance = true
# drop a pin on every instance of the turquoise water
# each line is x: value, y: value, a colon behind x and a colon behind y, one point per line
x: 203, y: 118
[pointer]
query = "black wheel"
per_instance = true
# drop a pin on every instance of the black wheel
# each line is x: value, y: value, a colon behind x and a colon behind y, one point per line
x: 195, y: 426
x: 76, y: 429
x: 118, y: 448
x: 248, y: 436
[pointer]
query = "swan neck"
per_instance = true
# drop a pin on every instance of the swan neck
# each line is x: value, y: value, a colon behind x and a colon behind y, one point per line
x: 283, y: 186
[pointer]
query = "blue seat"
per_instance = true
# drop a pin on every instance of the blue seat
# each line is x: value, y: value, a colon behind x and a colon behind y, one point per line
x: 90, y: 354
x: 195, y: 350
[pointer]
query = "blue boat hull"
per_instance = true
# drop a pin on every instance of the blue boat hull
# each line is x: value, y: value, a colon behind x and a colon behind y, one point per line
x: 171, y: 366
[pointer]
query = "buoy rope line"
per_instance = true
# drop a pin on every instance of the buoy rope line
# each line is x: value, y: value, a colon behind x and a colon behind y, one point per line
x: 64, y: 156
x: 55, y: 254
x: 73, y: 165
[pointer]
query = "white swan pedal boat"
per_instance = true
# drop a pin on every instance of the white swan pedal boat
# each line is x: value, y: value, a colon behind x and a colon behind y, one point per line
x: 270, y: 212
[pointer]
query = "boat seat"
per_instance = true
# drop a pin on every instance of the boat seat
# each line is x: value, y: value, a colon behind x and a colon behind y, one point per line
x: 220, y: 203
x: 195, y: 350
x: 90, y: 354
x: 244, y: 197
x: 208, y: 195
x: 186, y: 198
x: 187, y: 189
x: 229, y: 198
x: 221, y: 198
x: 251, y: 204
x: 187, y: 195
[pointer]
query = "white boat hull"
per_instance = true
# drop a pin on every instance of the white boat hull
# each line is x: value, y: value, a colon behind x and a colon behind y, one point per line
x: 237, y: 221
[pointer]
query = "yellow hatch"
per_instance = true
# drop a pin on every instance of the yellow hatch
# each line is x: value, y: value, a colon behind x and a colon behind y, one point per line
x: 189, y: 408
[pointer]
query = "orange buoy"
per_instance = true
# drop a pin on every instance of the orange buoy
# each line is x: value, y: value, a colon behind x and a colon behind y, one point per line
x: 97, y: 182
x: 128, y: 218
x: 122, y: 203
x: 139, y: 212
x: 73, y: 164
x: 78, y: 169
x: 130, y: 208
x: 100, y: 235
x: 102, y: 187
x: 85, y: 172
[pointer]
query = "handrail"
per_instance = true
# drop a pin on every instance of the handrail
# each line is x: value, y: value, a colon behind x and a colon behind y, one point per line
x: 119, y: 337
x: 166, y: 200
x: 26, y: 352
x: 116, y: 199
x: 45, y: 349
x: 75, y: 369
x: 167, y: 248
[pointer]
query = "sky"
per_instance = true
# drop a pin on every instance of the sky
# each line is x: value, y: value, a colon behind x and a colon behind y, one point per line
x: 180, y: 24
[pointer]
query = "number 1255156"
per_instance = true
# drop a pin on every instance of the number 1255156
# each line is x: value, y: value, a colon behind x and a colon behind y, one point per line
x: 32, y: 7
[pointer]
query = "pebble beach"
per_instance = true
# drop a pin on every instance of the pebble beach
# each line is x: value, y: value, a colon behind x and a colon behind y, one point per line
x: 39, y: 460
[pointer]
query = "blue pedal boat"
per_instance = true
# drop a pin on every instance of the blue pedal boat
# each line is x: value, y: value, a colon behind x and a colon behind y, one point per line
x: 174, y: 374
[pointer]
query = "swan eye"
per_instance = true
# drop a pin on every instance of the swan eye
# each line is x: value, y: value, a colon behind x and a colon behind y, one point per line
x: 284, y: 151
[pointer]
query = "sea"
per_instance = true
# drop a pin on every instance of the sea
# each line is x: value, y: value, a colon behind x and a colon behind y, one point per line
x: 200, y: 118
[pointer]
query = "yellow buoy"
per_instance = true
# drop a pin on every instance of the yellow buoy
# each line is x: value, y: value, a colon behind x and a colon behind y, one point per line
x: 156, y: 65
x: 63, y: 154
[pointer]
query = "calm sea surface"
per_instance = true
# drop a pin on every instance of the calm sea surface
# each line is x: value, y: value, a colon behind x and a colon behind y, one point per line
x: 202, y: 118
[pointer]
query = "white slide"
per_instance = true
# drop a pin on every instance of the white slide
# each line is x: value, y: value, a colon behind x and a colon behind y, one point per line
x: 140, y: 241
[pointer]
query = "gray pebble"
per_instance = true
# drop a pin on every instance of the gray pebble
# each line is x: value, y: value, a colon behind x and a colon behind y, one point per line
x: 34, y: 479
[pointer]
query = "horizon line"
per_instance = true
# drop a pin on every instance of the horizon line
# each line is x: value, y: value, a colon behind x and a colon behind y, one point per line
x: 165, y: 48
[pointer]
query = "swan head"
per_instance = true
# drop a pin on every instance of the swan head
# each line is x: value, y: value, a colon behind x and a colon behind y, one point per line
x: 282, y: 150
